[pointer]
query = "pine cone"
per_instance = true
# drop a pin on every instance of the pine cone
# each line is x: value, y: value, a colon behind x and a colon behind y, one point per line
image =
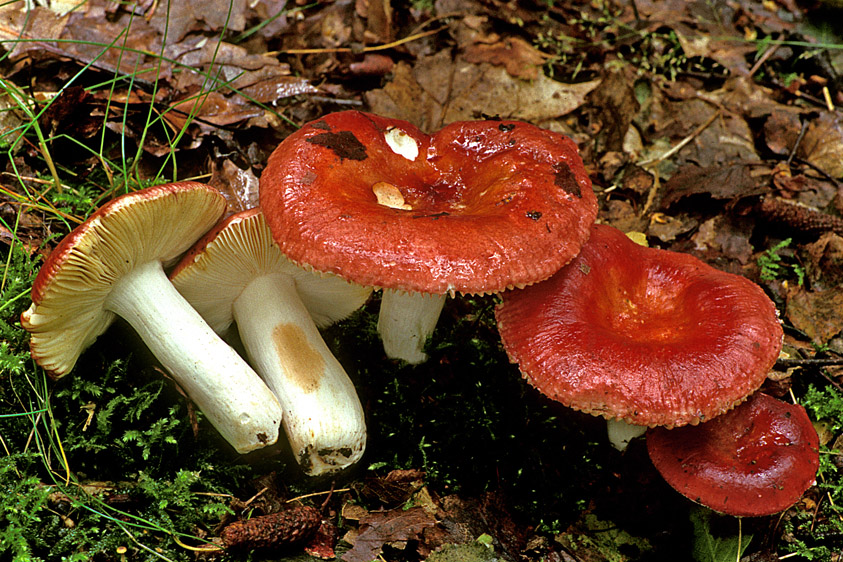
x: 794, y: 216
x: 273, y: 531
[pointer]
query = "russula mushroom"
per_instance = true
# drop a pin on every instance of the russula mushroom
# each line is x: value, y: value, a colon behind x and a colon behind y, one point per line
x: 641, y: 335
x: 755, y: 460
x: 477, y: 207
x: 112, y: 265
x: 236, y: 273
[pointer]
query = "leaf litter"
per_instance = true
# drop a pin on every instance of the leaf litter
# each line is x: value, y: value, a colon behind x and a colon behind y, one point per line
x: 712, y: 128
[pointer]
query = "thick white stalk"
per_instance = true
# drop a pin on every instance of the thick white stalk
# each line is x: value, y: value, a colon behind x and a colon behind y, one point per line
x: 621, y: 433
x: 323, y: 417
x: 230, y: 394
x: 406, y: 321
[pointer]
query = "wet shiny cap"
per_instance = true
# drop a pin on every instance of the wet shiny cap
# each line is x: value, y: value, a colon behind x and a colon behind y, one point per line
x: 756, y: 460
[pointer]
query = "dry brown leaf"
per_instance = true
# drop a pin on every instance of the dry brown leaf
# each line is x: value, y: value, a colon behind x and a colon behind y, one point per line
x: 667, y: 228
x: 37, y: 23
x: 395, y: 488
x: 439, y: 90
x: 119, y: 46
x: 177, y: 19
x: 824, y: 261
x: 713, y: 137
x: 817, y: 314
x: 383, y: 527
x: 616, y: 106
x: 519, y: 58
x: 747, y: 97
x: 729, y: 53
x: 210, y: 110
x: 239, y: 187
x: 822, y: 145
x: 72, y: 114
x: 728, y: 182
x: 322, y: 544
x: 721, y: 236
x: 378, y: 15
x: 781, y: 129
x: 620, y: 214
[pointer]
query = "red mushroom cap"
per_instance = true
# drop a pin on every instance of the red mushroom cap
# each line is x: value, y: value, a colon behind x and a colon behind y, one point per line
x: 477, y: 207
x: 645, y: 335
x: 756, y: 460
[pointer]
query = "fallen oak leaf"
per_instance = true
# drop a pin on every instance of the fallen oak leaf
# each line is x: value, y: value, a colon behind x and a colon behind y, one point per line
x: 382, y: 527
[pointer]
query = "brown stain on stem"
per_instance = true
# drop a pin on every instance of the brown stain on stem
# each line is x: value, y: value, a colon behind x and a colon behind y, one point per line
x: 304, y: 365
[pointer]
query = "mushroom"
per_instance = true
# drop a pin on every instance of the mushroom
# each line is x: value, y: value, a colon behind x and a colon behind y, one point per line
x: 641, y: 335
x: 113, y: 265
x: 755, y: 460
x: 477, y: 207
x: 236, y: 273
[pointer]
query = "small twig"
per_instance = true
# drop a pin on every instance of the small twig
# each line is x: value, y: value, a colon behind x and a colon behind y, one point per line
x: 651, y: 196
x: 426, y: 23
x: 331, y: 491
x: 763, y: 58
x: 681, y: 143
x: 831, y: 381
x: 383, y: 47
x: 827, y: 97
x: 326, y: 99
x: 785, y: 363
x: 816, y: 512
x: 256, y: 496
x: 797, y: 143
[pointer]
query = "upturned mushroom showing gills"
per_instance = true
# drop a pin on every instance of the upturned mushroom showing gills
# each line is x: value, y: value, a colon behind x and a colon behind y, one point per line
x: 477, y: 207
x: 236, y: 273
x: 112, y: 265
x: 755, y: 460
x: 646, y: 336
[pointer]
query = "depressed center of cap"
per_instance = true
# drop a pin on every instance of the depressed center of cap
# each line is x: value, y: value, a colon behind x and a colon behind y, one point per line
x: 390, y: 196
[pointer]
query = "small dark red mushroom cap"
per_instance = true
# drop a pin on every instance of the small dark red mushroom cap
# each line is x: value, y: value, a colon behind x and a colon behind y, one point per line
x: 648, y: 336
x: 756, y: 460
x: 477, y: 207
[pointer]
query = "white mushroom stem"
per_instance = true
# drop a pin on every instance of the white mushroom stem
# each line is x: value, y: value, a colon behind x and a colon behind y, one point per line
x: 323, y: 417
x: 406, y: 321
x: 230, y: 394
x: 621, y: 433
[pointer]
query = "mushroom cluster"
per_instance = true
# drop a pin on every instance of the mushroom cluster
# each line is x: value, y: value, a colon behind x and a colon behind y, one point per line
x: 643, y: 337
x: 113, y: 265
x: 652, y: 338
